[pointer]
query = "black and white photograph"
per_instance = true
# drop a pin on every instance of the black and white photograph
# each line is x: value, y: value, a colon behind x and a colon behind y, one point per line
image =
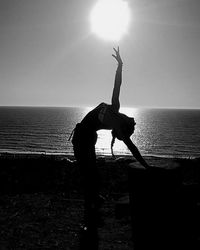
x: 99, y: 124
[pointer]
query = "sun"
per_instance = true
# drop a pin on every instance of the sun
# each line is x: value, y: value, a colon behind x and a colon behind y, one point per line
x: 110, y: 19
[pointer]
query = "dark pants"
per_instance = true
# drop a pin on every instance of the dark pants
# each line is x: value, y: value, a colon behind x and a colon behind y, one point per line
x: 84, y: 142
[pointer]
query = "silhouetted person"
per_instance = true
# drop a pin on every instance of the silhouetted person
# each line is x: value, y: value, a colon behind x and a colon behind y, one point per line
x: 104, y: 116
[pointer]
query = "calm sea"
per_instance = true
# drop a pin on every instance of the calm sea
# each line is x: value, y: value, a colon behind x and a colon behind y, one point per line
x: 159, y: 132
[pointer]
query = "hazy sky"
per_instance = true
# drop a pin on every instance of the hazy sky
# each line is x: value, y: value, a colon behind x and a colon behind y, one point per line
x: 48, y: 55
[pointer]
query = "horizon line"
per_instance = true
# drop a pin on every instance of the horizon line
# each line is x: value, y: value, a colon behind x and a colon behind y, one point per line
x: 92, y: 106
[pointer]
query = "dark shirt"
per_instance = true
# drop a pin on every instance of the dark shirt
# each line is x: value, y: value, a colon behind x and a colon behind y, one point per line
x: 91, y: 120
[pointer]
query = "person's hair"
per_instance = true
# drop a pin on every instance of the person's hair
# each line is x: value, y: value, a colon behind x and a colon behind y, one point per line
x: 113, y: 142
x: 127, y: 128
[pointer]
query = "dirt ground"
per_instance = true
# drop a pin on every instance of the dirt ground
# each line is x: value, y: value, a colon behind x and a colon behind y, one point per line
x: 46, y: 221
x: 50, y: 219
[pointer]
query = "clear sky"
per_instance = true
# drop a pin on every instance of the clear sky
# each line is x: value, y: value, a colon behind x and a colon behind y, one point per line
x: 49, y: 56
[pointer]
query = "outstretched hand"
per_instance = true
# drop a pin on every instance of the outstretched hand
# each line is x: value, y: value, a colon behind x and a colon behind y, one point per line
x: 117, y: 56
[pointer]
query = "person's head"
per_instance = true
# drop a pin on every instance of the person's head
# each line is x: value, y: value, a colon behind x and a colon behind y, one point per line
x: 127, y: 128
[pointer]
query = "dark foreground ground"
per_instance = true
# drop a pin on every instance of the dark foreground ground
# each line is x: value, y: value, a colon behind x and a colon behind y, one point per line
x: 41, y: 202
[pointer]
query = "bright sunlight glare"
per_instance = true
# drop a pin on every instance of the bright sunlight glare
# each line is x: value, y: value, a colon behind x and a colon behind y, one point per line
x: 110, y: 19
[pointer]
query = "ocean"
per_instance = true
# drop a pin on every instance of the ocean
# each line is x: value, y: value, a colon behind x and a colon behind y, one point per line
x: 46, y: 130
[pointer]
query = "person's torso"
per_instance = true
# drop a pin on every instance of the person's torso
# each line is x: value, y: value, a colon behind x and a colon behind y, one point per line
x: 104, y: 117
x: 93, y: 121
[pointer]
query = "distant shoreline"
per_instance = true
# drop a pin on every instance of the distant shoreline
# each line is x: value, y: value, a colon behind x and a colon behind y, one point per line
x: 60, y: 156
x: 91, y: 107
x: 45, y: 131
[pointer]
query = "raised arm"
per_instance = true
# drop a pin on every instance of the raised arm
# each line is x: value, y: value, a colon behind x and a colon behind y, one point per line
x: 118, y: 81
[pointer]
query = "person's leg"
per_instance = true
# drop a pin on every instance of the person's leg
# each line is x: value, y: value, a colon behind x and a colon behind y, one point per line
x: 91, y: 186
x: 89, y: 230
x: 84, y: 151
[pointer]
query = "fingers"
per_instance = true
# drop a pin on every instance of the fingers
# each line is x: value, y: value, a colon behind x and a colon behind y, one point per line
x: 117, y: 56
x: 115, y: 50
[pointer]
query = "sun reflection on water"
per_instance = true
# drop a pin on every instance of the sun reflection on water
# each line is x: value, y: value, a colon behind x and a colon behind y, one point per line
x: 103, y: 145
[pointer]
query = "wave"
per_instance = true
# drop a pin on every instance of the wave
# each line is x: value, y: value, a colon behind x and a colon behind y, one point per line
x: 160, y: 133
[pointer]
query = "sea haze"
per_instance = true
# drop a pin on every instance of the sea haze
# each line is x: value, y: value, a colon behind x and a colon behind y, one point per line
x: 159, y: 132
